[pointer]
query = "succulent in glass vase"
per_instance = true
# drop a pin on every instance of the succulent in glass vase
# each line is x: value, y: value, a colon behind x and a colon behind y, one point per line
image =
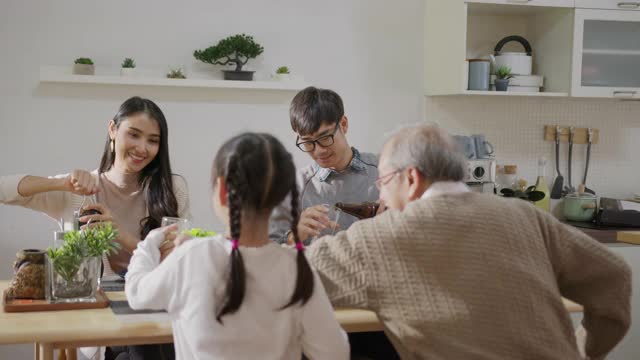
x: 73, y: 268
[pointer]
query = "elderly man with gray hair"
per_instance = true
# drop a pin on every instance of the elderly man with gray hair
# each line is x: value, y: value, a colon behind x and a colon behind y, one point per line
x: 454, y: 274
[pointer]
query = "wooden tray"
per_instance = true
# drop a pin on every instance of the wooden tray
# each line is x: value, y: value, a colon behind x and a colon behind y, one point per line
x: 25, y: 305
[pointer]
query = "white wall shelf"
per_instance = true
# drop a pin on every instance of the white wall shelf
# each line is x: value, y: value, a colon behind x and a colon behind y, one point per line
x: 514, y: 93
x: 64, y: 76
x: 611, y: 52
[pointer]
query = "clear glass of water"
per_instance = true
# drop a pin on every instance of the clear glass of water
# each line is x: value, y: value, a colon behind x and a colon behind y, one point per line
x: 183, y: 224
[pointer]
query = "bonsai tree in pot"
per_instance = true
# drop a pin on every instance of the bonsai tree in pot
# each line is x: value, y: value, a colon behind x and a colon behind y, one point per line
x: 283, y: 73
x: 74, y: 267
x: 83, y: 66
x: 503, y: 74
x: 236, y: 50
x: 128, y: 67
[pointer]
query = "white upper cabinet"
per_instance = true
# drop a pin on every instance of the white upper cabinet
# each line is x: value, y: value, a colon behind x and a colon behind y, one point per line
x: 549, y: 3
x: 608, y: 4
x: 606, y: 53
x: 459, y: 33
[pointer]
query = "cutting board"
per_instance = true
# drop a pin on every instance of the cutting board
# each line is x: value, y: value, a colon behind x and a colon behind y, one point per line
x: 26, y: 305
x: 631, y: 237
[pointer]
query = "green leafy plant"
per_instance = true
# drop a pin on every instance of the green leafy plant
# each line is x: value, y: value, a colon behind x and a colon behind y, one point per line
x: 176, y: 74
x: 128, y: 63
x: 282, y: 70
x: 236, y: 49
x: 84, y: 61
x: 78, y: 245
x: 197, y: 232
x: 504, y: 73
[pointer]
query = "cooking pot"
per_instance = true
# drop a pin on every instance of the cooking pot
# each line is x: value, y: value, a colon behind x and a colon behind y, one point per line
x: 580, y: 206
x: 520, y: 62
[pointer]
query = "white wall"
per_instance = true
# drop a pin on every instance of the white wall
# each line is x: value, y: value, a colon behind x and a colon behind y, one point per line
x: 368, y: 51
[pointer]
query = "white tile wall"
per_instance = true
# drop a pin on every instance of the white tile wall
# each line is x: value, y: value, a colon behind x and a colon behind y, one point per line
x: 515, y: 126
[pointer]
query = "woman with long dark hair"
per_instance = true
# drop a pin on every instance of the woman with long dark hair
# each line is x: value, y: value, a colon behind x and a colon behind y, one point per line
x: 133, y: 188
x: 240, y: 296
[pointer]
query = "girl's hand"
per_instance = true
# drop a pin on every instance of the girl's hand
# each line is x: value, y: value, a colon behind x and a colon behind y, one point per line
x: 171, y: 242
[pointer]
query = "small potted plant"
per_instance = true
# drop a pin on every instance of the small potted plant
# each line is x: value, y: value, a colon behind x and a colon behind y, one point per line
x: 503, y: 74
x: 235, y: 50
x: 283, y: 73
x: 83, y: 66
x: 176, y: 74
x: 128, y: 67
x: 73, y: 268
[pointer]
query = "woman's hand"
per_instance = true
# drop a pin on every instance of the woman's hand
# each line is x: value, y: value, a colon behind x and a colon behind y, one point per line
x: 81, y: 182
x: 128, y: 241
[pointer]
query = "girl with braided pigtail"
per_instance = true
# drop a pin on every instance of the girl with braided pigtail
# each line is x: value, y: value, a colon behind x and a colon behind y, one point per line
x: 241, y: 296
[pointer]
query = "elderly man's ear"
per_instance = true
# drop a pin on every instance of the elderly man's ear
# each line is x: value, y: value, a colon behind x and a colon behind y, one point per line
x: 418, y: 184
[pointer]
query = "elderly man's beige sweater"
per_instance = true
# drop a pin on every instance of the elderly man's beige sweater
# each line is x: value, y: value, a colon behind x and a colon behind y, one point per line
x: 475, y: 276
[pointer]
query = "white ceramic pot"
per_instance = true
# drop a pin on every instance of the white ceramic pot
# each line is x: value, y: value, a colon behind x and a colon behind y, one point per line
x: 127, y: 71
x: 283, y: 77
x: 521, y: 63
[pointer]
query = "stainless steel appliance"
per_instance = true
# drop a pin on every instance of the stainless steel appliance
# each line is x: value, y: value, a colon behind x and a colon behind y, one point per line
x: 481, y: 175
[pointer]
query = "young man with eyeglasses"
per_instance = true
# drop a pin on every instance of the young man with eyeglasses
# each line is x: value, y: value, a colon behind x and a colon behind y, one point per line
x: 339, y: 173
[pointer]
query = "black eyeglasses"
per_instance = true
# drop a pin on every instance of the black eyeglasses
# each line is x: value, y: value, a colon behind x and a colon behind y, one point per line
x: 384, y: 179
x: 323, y: 141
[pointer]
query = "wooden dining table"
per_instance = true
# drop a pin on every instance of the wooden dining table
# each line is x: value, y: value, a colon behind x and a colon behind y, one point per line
x: 71, y: 329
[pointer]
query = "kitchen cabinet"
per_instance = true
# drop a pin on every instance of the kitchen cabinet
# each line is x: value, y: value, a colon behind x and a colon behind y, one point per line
x: 608, y: 4
x: 458, y: 30
x: 606, y: 53
x: 550, y: 3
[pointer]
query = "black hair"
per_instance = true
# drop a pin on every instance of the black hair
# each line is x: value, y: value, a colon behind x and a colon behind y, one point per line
x: 156, y: 178
x: 259, y: 173
x: 313, y: 107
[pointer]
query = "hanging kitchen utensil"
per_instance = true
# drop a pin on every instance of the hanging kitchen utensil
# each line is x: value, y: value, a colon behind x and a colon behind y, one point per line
x: 556, y: 190
x: 586, y: 166
x: 569, y: 189
x: 520, y: 62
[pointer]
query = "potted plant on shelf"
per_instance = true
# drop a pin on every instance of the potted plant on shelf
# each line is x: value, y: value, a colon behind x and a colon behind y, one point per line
x: 503, y: 74
x: 83, y: 66
x: 176, y: 74
x: 283, y: 73
x: 73, y: 268
x: 235, y: 50
x: 128, y: 67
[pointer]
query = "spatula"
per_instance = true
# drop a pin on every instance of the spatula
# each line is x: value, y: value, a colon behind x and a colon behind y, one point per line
x: 586, y: 167
x: 556, y: 190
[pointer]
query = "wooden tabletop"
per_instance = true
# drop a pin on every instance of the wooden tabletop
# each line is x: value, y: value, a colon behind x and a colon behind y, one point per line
x: 75, y: 328
x: 101, y: 327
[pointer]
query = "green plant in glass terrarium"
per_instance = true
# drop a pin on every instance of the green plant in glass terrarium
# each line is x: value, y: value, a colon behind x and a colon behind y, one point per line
x: 74, y: 267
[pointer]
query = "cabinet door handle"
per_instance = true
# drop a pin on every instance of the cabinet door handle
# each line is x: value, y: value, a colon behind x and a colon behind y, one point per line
x: 619, y: 93
x: 629, y: 5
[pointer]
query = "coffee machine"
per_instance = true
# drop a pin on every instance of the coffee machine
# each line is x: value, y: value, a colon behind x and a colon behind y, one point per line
x: 480, y: 175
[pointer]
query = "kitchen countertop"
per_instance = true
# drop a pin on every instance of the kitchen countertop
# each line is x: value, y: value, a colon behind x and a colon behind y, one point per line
x: 630, y: 237
x: 607, y: 235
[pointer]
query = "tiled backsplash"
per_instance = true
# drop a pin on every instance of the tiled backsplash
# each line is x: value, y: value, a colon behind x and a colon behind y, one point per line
x: 515, y: 126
